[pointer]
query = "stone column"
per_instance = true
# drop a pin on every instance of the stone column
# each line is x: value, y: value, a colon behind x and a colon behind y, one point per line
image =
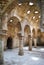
x: 4, y: 22
x: 35, y: 38
x: 30, y: 43
x: 35, y: 42
x: 1, y: 44
x: 4, y: 42
x: 2, y: 34
x: 21, y: 52
x: 1, y: 51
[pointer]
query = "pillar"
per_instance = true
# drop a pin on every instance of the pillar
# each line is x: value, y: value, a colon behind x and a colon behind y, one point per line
x: 35, y: 38
x: 1, y: 44
x: 21, y: 52
x: 4, y: 22
x: 35, y: 42
x: 4, y: 42
x: 30, y: 43
x: 1, y: 51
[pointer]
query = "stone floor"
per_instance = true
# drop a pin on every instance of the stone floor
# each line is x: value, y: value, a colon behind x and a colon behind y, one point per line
x: 34, y: 57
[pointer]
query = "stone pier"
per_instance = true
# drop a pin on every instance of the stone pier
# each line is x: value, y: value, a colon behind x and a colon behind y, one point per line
x: 30, y: 43
x: 2, y: 34
x: 21, y: 52
x: 1, y: 51
x: 35, y: 42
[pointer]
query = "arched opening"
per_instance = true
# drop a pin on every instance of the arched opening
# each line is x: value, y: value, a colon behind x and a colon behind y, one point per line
x: 16, y: 38
x: 18, y: 27
x: 14, y: 26
x: 27, y: 31
x: 9, y: 42
x: 39, y: 32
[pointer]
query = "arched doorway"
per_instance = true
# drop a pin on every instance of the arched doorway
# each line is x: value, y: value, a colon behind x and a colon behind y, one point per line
x: 18, y: 27
x: 14, y: 27
x: 27, y: 31
x: 9, y: 42
x: 16, y: 38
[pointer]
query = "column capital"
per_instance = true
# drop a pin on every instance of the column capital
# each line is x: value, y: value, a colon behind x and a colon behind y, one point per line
x: 3, y: 32
x: 20, y: 35
x: 29, y: 36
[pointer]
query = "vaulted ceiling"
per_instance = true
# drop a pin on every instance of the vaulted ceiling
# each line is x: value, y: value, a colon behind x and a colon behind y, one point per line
x: 10, y: 4
x: 4, y: 4
x: 23, y: 9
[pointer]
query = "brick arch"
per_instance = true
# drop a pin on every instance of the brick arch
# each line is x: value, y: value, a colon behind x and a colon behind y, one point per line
x: 27, y: 29
x: 14, y: 26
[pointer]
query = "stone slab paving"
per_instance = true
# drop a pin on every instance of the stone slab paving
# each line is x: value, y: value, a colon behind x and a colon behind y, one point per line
x: 34, y: 57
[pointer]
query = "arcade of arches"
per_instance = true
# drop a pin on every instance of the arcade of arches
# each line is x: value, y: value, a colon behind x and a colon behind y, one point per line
x: 20, y: 26
x: 26, y: 24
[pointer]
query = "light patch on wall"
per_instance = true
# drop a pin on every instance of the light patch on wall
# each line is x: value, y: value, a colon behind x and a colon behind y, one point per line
x: 39, y: 16
x: 36, y: 12
x: 30, y: 3
x: 28, y: 12
x: 11, y: 20
x: 33, y: 17
x: 20, y: 4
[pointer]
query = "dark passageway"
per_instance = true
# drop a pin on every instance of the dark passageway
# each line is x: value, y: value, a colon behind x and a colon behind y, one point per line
x: 9, y: 43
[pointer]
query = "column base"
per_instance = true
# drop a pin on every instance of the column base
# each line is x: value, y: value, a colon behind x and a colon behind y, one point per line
x: 30, y: 49
x: 35, y: 46
x: 1, y: 62
x: 21, y: 52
